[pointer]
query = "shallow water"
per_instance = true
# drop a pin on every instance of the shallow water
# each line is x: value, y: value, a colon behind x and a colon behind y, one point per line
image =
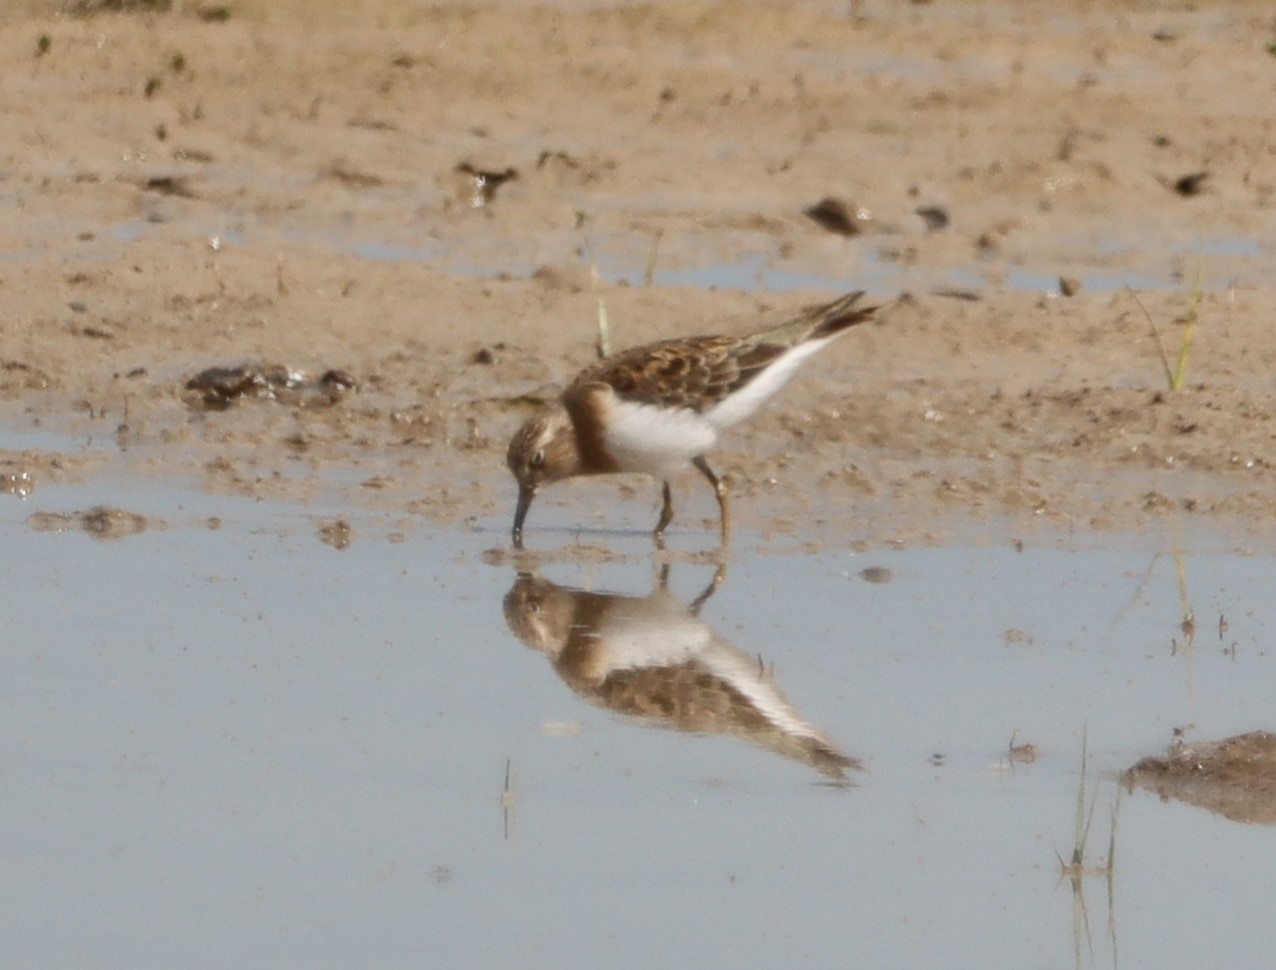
x: 751, y: 260
x: 237, y: 745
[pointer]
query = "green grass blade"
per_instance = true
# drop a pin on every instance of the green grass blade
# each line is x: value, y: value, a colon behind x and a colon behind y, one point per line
x: 1189, y: 328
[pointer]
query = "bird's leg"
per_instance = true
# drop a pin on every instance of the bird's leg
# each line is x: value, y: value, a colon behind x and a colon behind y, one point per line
x: 666, y: 514
x: 720, y: 490
x: 719, y: 575
x: 664, y: 576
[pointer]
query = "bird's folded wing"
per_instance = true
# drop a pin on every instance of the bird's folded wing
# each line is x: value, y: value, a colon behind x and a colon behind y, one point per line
x: 694, y: 373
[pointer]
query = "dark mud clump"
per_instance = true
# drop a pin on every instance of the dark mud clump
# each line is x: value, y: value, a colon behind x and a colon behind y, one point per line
x: 217, y: 388
x: 1235, y: 777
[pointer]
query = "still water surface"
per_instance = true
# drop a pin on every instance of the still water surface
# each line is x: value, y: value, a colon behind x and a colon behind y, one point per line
x: 240, y: 746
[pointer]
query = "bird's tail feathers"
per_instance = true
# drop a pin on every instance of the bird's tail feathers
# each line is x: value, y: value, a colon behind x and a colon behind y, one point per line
x: 843, y: 313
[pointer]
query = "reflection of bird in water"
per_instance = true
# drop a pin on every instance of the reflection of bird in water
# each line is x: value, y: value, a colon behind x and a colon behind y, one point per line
x: 654, y: 658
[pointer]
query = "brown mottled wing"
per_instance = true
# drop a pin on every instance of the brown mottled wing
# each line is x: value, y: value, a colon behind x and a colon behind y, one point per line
x: 694, y: 372
x: 698, y: 372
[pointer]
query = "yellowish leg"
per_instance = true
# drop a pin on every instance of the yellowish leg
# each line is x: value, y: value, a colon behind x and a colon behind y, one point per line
x: 720, y: 490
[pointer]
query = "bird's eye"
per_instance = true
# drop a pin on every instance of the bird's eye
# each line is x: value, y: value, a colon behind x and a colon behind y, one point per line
x: 537, y: 460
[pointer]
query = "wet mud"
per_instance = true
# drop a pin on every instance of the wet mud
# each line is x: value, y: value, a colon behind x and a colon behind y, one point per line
x: 371, y: 193
x: 1234, y: 777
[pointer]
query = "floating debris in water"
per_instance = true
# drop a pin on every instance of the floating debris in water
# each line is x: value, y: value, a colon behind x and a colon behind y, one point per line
x: 876, y: 574
x: 101, y: 522
x: 20, y: 484
x: 336, y: 533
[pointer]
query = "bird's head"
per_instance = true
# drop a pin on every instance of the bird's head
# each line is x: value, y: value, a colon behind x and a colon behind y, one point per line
x: 542, y: 451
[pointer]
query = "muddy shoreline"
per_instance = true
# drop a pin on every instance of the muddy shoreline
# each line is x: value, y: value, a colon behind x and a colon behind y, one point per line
x: 415, y: 196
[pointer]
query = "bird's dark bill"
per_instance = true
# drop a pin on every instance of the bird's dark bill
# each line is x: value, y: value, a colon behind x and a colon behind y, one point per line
x: 525, y: 496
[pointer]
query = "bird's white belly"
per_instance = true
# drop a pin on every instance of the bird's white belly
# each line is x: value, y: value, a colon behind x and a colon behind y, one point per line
x: 658, y: 441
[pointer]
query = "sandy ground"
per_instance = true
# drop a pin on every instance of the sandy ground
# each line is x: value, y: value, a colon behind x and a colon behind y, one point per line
x: 413, y: 194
